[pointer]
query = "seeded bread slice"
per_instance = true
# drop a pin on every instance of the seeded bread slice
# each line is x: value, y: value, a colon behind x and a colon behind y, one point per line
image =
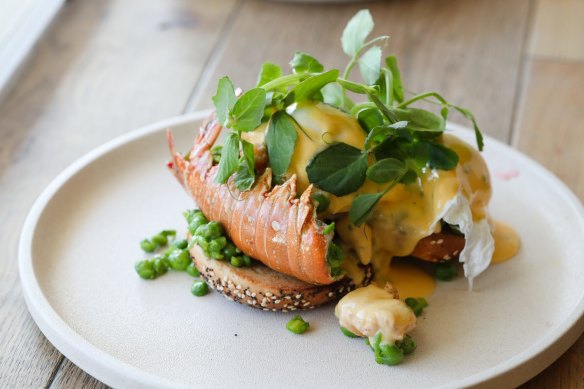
x: 439, y: 247
x: 261, y: 287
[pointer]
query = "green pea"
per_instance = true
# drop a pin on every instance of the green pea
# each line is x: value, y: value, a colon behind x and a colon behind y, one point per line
x: 230, y: 250
x: 411, y: 302
x: 236, y: 261
x: 179, y: 260
x: 196, y: 223
x: 181, y: 244
x: 348, y: 333
x: 297, y: 325
x: 145, y: 269
x: 160, y: 239
x: 389, y: 354
x: 445, y: 271
x: 168, y: 233
x: 416, y: 304
x: 148, y: 246
x: 246, y: 260
x: 407, y: 344
x: 160, y: 265
x: 215, y: 230
x: 192, y: 270
x: 199, y: 288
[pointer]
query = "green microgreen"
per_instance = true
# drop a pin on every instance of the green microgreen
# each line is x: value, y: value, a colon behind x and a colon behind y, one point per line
x: 402, y: 140
x: 281, y: 137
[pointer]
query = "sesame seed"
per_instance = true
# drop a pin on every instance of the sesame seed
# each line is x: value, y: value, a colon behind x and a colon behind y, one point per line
x: 447, y: 257
x: 268, y: 294
x: 249, y: 302
x: 278, y: 301
x: 455, y: 253
x: 432, y: 242
x: 330, y: 294
x: 306, y: 304
x: 284, y: 310
x: 238, y: 287
x: 298, y: 296
x: 440, y: 241
x: 219, y: 288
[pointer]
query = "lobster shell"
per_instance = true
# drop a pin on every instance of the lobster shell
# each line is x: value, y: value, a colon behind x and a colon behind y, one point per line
x: 268, y: 223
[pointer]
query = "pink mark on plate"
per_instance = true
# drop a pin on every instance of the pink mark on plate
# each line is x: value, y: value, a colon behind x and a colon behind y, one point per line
x: 506, y: 176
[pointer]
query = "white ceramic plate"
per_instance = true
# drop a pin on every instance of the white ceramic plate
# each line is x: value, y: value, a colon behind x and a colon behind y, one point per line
x: 80, y: 241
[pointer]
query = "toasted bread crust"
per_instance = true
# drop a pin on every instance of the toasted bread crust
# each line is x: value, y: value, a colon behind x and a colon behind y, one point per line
x: 439, y: 247
x: 261, y: 287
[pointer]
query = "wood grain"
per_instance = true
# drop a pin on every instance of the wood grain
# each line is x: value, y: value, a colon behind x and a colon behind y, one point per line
x: 552, y: 124
x: 104, y: 68
x: 439, y: 49
x: 558, y: 29
x: 70, y: 376
x: 550, y: 130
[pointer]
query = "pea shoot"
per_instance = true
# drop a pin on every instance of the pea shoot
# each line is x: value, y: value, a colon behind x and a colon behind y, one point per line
x: 402, y: 140
x: 297, y: 325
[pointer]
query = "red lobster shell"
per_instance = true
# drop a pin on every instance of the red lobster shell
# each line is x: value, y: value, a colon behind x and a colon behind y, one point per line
x: 270, y: 224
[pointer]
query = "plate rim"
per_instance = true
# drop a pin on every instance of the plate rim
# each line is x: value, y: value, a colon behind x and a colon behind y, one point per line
x: 115, y: 372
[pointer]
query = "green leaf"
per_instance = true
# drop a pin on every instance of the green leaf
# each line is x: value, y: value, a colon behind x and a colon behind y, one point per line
x: 247, y: 112
x: 307, y: 88
x: 224, y: 99
x: 333, y: 95
x: 243, y: 180
x: 370, y: 65
x: 478, y: 135
x: 383, y: 108
x: 398, y: 92
x: 386, y: 170
x: 281, y: 139
x: 420, y: 119
x: 356, y: 31
x: 269, y: 72
x: 245, y: 176
x: 229, y: 159
x: 305, y: 63
x: 438, y: 156
x: 362, y: 207
x: 369, y: 118
x: 379, y: 133
x: 322, y: 201
x: 340, y: 169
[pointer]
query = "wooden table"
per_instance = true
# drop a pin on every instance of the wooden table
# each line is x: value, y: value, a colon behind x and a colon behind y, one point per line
x: 107, y: 67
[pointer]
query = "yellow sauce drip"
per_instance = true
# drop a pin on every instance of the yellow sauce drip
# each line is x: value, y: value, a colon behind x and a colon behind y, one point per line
x: 507, y: 242
x: 408, y: 279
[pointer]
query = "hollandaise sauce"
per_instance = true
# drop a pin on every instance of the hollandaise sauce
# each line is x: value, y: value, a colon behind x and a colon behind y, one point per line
x: 507, y: 243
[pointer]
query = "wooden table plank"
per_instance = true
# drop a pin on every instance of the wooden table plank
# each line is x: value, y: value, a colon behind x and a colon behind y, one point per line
x: 103, y: 69
x: 558, y: 29
x: 439, y: 48
x: 550, y: 130
x: 552, y: 125
x: 70, y: 376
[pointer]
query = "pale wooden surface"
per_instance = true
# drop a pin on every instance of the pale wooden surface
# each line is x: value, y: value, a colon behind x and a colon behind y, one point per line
x: 105, y: 68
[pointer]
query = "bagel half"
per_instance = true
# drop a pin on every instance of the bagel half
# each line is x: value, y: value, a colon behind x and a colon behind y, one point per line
x: 263, y: 288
